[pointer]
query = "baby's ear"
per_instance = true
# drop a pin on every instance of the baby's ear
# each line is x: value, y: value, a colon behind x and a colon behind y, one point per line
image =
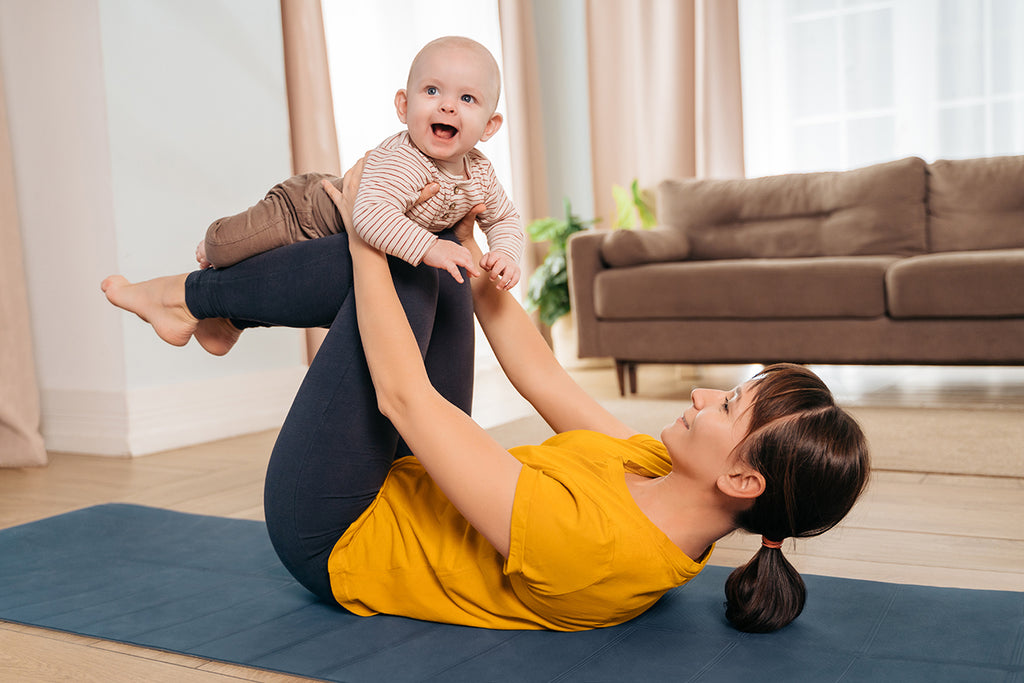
x: 493, y: 124
x: 401, y: 104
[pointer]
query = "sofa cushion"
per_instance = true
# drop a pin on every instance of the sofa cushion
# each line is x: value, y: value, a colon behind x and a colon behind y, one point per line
x: 869, y: 211
x: 976, y: 204
x: 633, y: 247
x: 850, y: 287
x: 974, y: 284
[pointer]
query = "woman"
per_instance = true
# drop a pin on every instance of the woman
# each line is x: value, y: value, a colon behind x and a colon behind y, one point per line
x: 586, y: 530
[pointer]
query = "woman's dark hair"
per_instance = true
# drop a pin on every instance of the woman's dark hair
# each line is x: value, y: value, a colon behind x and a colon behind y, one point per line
x: 815, y: 463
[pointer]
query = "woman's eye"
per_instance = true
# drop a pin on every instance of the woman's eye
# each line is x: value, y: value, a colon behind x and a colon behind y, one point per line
x: 431, y: 90
x: 726, y: 406
x: 467, y: 98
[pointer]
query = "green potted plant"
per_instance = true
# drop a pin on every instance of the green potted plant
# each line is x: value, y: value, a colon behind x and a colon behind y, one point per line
x: 548, y: 288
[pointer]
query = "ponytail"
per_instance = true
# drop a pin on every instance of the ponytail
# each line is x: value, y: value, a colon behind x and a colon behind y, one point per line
x: 815, y: 463
x: 765, y: 594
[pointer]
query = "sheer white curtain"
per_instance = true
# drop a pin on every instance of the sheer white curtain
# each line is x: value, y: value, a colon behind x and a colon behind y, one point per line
x: 836, y: 84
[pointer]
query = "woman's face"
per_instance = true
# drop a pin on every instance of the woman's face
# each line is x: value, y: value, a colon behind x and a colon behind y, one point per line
x: 701, y: 441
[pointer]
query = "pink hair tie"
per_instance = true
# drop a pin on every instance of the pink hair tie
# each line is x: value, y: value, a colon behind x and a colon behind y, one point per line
x: 770, y: 544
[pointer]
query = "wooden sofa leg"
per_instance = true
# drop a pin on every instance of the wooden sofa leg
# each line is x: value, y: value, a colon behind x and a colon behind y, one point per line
x: 624, y: 369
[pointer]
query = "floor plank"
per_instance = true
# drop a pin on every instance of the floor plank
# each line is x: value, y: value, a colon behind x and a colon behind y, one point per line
x: 29, y: 657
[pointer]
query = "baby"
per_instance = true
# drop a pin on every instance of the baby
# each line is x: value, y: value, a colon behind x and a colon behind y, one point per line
x: 448, y: 106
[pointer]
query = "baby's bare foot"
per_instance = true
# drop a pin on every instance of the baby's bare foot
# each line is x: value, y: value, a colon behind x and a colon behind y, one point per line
x: 216, y: 335
x: 160, y: 302
x: 201, y: 255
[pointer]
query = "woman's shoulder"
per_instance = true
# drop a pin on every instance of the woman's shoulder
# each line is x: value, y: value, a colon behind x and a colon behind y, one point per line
x: 576, y: 504
x: 590, y: 436
x: 640, y: 448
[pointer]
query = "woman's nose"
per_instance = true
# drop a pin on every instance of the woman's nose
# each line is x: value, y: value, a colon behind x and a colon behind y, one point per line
x: 699, y: 396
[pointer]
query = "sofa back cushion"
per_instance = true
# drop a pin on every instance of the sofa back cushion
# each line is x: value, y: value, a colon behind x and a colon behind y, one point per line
x: 976, y: 204
x: 874, y: 210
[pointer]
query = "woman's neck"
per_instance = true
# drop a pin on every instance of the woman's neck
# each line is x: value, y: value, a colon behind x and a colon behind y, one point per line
x: 692, y: 519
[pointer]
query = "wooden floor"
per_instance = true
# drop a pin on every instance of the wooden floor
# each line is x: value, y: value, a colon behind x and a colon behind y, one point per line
x: 910, y: 527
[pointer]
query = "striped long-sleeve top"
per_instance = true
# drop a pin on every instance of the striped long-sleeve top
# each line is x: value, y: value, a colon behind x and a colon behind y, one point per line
x: 395, y: 173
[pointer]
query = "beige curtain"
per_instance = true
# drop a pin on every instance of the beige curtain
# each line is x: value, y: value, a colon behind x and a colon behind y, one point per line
x: 310, y: 107
x: 525, y: 122
x: 522, y: 106
x: 665, y: 100
x: 21, y: 443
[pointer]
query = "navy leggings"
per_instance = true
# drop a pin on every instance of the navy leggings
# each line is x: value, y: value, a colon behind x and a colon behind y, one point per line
x: 335, y: 448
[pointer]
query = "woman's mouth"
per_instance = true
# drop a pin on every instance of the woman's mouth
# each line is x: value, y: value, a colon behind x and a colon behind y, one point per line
x: 444, y: 131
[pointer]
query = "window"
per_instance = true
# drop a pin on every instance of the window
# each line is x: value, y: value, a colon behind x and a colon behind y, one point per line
x: 836, y: 84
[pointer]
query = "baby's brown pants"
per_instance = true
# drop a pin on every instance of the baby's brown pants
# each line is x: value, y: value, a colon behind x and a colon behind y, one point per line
x: 295, y: 210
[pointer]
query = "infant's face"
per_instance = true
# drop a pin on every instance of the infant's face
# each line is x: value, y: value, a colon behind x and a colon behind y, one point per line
x: 449, y: 104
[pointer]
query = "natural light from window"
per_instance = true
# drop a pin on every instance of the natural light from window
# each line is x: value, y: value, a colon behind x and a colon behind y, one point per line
x: 837, y: 84
x: 370, y: 46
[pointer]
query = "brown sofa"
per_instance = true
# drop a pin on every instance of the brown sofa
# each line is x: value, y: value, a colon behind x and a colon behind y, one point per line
x: 903, y: 262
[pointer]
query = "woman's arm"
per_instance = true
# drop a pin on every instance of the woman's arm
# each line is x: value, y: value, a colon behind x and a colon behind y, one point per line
x: 476, y: 473
x: 529, y: 363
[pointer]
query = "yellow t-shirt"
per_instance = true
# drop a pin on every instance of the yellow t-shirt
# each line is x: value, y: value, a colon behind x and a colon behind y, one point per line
x: 582, y: 553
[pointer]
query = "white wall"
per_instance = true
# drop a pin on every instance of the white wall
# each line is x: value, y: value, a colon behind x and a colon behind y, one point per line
x: 134, y: 123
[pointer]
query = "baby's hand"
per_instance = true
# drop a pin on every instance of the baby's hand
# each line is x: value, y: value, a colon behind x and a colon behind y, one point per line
x: 502, y: 268
x: 201, y: 256
x: 449, y: 256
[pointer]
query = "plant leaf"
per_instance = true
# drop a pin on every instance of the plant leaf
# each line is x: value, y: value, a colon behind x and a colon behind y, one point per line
x: 625, y: 212
x: 544, y: 229
x: 642, y: 202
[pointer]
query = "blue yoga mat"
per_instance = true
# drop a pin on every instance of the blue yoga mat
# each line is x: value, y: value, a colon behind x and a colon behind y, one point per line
x: 213, y: 588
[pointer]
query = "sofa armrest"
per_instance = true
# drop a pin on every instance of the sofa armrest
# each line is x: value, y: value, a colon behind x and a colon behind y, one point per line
x: 584, y: 264
x: 635, y: 247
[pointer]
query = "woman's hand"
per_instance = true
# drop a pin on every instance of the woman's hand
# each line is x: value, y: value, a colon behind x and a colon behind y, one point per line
x: 346, y: 199
x: 464, y: 228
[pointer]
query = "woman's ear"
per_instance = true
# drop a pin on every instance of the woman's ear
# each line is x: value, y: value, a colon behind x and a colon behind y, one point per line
x: 401, y: 104
x: 493, y: 124
x: 742, y: 482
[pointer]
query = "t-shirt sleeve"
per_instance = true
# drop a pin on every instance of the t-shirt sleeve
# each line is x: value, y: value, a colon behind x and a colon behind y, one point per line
x: 650, y: 454
x: 560, y: 542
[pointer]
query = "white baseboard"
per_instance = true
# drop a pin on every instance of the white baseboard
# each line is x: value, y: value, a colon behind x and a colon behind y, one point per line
x: 157, y: 419
x: 92, y: 422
